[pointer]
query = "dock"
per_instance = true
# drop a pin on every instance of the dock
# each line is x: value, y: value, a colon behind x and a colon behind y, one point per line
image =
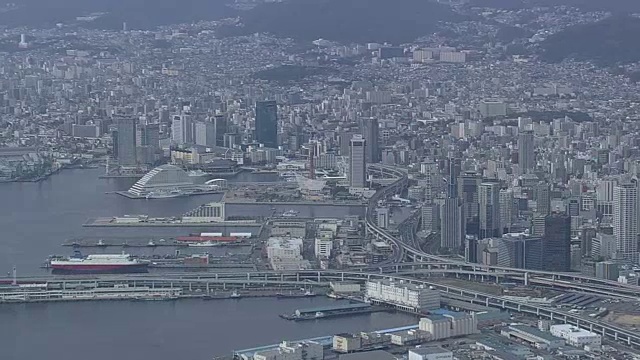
x: 140, y: 242
x: 332, y: 311
x: 164, y: 222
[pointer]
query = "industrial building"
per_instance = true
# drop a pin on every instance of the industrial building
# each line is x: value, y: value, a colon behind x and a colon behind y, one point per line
x: 449, y: 324
x: 346, y: 343
x: 430, y: 353
x: 292, y: 228
x: 537, y: 338
x: 575, y: 336
x: 307, y: 350
x: 404, y: 296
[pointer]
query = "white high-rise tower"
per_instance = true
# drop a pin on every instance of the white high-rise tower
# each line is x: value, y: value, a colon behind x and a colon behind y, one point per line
x: 625, y: 220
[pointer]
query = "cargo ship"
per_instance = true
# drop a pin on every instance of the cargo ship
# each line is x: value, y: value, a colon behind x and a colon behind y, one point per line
x: 98, y: 264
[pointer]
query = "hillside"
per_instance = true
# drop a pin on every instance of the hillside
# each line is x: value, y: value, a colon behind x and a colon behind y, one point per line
x: 618, y: 6
x: 608, y: 42
x: 361, y: 21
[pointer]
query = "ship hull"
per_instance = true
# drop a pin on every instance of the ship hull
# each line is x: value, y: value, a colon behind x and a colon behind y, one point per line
x: 99, y: 269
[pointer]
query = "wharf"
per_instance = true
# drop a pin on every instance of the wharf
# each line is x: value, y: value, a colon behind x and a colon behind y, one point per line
x: 115, y: 222
x: 332, y: 311
x: 138, y: 242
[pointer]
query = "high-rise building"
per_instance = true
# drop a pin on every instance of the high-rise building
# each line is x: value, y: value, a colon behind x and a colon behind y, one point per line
x: 370, y: 131
x: 267, y: 123
x: 526, y: 152
x: 357, y: 162
x: 506, y: 209
x: 468, y: 184
x: 556, y: 242
x: 604, y: 198
x: 205, y: 133
x: 126, y: 141
x: 182, y: 129
x: 489, y: 210
x: 452, y: 224
x: 542, y: 196
x: 520, y: 251
x: 221, y: 127
x: 148, y: 143
x: 625, y: 220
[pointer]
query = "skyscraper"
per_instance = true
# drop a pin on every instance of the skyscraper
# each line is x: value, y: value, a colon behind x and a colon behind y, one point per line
x: 370, y: 131
x: 221, y: 128
x: 468, y: 184
x: 556, y: 242
x: 126, y: 141
x: 526, y: 152
x: 452, y: 224
x: 506, y: 209
x: 267, y: 123
x: 489, y: 210
x: 357, y: 162
x: 625, y: 220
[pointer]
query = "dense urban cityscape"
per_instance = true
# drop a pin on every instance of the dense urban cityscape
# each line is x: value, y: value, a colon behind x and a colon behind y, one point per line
x: 471, y: 192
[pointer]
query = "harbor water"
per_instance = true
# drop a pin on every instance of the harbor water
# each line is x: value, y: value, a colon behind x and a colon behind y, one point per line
x: 166, y: 330
x: 37, y: 218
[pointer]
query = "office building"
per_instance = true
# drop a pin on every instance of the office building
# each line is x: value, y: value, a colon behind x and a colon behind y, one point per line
x: 182, y: 129
x: 370, y: 133
x: 205, y: 133
x: 430, y: 217
x: 506, y: 209
x: 323, y: 247
x: 607, y: 270
x: 409, y: 297
x: 526, y: 152
x: 126, y: 141
x: 492, y: 108
x: 542, y: 197
x: 221, y: 127
x: 557, y: 242
x: 489, y: 210
x: 519, y: 251
x: 468, y: 184
x: 267, y: 123
x: 452, y: 224
x: 382, y: 215
x: 625, y: 220
x: 357, y: 162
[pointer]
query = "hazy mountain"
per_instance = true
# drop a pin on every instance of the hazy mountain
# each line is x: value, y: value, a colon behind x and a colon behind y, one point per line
x: 361, y: 21
x: 607, y: 42
x: 139, y: 14
x: 622, y: 6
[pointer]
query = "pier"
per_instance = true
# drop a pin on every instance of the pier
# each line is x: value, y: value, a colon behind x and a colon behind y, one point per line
x: 332, y: 311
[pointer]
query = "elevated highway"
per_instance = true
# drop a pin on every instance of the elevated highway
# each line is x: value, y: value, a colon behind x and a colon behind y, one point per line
x: 568, y: 281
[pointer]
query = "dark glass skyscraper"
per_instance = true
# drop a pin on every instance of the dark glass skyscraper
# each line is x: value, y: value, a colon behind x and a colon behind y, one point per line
x: 126, y: 141
x: 557, y: 242
x: 370, y: 132
x: 267, y: 123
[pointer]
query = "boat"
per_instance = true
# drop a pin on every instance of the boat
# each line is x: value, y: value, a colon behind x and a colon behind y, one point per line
x: 98, y: 264
x: 235, y: 295
x: 155, y: 298
x: 101, y: 243
x: 166, y: 194
x: 204, y: 244
x: 292, y: 295
x: 290, y: 213
x: 151, y: 243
